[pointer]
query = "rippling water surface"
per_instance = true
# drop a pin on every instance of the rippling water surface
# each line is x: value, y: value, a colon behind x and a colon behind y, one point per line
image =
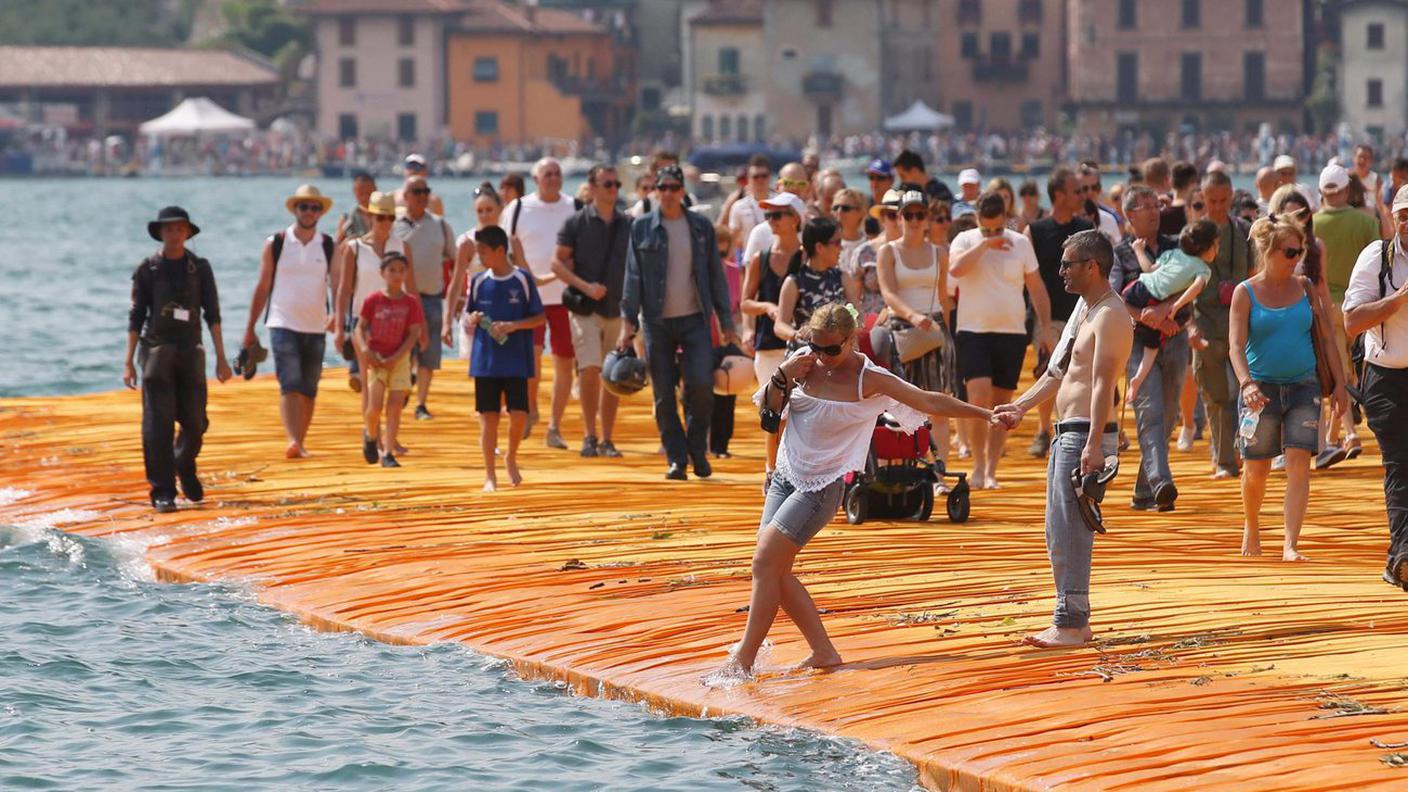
x: 111, y: 681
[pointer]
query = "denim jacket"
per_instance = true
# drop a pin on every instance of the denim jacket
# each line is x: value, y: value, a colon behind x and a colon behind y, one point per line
x: 647, y: 260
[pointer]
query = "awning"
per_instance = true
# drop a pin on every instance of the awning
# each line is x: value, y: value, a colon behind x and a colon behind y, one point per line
x: 918, y: 116
x: 196, y: 116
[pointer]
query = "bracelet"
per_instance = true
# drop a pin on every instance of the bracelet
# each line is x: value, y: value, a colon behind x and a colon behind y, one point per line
x: 779, y: 380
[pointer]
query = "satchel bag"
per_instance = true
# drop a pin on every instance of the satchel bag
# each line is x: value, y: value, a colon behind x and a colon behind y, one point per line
x: 1319, y: 331
x: 911, y: 342
x: 578, y: 302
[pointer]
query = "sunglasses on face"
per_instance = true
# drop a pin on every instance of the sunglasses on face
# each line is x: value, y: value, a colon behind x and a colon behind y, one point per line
x: 877, y: 177
x: 1293, y: 253
x: 915, y: 216
x: 795, y: 184
x: 1068, y: 264
x: 775, y: 215
x: 609, y: 185
x: 418, y: 191
x: 669, y: 187
x: 990, y: 232
x: 758, y: 175
x: 831, y: 350
x: 941, y: 218
x: 843, y: 208
x: 309, y: 207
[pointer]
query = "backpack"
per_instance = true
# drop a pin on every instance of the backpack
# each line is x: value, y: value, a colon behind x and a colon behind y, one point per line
x: 277, y: 250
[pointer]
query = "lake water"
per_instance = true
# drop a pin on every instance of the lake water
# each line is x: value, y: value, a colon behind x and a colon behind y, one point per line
x: 112, y: 681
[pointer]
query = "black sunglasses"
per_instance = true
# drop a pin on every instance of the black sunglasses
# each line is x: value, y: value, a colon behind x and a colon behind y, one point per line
x: 833, y: 350
x: 842, y: 208
x: 1068, y: 264
x: 941, y: 218
x: 610, y: 185
x: 915, y: 215
x: 309, y: 207
x: 1293, y: 252
x: 669, y: 187
x: 418, y: 191
x: 1197, y: 206
x: 775, y: 215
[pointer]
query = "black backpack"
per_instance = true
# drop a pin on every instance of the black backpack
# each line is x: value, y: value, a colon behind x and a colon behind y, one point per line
x: 278, y: 249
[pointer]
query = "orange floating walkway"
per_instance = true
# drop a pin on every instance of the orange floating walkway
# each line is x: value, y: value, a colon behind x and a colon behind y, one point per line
x: 1212, y: 672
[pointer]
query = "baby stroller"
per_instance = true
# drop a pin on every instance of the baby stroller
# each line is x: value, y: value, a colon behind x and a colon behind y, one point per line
x: 898, y: 481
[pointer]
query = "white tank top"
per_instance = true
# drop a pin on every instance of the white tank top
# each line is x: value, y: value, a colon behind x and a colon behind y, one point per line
x: 918, y: 287
x: 367, y: 277
x: 299, y: 299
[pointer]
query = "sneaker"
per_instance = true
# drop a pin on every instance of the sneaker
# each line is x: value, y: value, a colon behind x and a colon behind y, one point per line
x: 390, y: 461
x: 1164, y: 496
x: 423, y: 414
x: 676, y: 473
x: 589, y: 447
x: 369, y: 450
x: 1142, y: 505
x: 191, y: 487
x: 554, y: 439
x: 1185, y: 439
x: 607, y: 449
x: 1397, y: 574
x: 1331, y: 456
x: 1041, y: 443
x: 164, y: 505
x: 1279, y: 462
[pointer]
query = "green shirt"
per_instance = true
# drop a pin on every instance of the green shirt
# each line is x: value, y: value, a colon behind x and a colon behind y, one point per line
x: 1346, y: 231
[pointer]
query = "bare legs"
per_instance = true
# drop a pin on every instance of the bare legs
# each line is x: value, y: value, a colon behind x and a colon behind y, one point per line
x: 988, y: 440
x: 533, y: 382
x: 375, y: 395
x: 596, y: 400
x: 563, y: 369
x: 423, y: 377
x: 489, y: 439
x: 774, y: 585
x: 296, y: 410
x: 1297, y: 495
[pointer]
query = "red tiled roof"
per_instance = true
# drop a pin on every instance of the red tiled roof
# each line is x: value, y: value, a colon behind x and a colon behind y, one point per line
x: 382, y: 6
x: 495, y: 16
x: 730, y: 11
x: 128, y: 67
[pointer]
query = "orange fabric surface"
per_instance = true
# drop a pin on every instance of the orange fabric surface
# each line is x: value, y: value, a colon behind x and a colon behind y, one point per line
x: 1210, y: 671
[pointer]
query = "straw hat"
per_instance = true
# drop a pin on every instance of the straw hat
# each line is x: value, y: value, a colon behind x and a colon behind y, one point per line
x: 890, y: 200
x: 381, y: 203
x: 305, y: 193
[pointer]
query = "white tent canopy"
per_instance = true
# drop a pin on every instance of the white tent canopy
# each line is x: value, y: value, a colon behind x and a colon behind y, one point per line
x: 195, y: 116
x: 918, y: 116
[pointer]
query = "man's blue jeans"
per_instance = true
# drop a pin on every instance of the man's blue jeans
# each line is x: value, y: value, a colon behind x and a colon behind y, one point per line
x: 675, y: 347
x: 1156, y: 412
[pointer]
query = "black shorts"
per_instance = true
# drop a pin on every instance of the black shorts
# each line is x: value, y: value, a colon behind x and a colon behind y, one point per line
x: 490, y: 392
x: 995, y: 356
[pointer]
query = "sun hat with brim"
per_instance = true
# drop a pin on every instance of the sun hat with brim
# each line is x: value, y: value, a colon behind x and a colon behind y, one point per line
x: 786, y: 201
x: 306, y: 193
x: 381, y: 203
x: 911, y: 197
x: 890, y: 200
x: 170, y: 214
x: 1400, y: 200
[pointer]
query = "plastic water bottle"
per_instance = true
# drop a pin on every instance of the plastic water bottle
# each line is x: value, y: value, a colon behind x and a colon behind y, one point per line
x: 1247, y: 428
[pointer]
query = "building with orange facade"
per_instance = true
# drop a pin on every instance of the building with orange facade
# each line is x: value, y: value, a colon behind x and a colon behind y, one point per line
x: 520, y: 74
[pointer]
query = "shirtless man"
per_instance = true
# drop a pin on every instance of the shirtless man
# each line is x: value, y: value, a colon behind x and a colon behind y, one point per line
x: 1082, y: 376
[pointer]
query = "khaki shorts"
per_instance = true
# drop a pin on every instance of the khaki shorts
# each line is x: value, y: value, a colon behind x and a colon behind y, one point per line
x: 397, y: 377
x: 592, y: 336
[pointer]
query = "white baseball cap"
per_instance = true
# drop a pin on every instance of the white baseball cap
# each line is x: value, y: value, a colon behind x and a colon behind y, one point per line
x: 969, y: 176
x: 1333, y: 178
x: 786, y: 201
x: 1284, y: 162
x: 1400, y: 199
x: 415, y: 159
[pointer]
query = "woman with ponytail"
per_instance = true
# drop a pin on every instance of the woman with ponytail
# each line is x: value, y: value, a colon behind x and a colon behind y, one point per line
x: 1273, y: 316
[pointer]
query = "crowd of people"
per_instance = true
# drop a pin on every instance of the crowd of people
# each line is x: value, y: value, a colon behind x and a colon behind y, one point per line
x: 1257, y: 316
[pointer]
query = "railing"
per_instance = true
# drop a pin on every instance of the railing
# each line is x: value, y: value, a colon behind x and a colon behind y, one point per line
x: 989, y: 69
x: 725, y: 84
x: 574, y: 85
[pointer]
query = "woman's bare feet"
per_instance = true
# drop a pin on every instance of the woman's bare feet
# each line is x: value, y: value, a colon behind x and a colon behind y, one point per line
x: 511, y: 467
x: 816, y: 660
x: 402, y: 450
x: 1053, y: 637
x: 295, y: 451
x: 491, y: 485
x: 1251, y: 544
x: 1292, y: 554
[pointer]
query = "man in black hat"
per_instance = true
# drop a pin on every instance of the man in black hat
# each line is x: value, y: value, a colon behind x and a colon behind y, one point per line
x: 170, y: 290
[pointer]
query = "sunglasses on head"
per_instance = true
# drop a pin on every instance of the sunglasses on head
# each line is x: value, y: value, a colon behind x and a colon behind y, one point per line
x: 914, y: 216
x: 831, y: 350
x: 309, y: 207
x: 843, y: 208
x: 418, y: 191
x: 669, y: 187
x: 1293, y: 252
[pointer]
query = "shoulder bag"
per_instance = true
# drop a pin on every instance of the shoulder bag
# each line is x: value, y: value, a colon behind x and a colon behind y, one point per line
x: 912, y: 342
x: 1319, y: 332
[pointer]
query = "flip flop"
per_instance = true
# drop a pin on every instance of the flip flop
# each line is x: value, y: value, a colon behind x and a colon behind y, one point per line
x: 1090, y: 492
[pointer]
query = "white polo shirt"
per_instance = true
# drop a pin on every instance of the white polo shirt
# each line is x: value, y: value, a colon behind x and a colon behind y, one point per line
x: 298, y: 301
x: 1385, y: 345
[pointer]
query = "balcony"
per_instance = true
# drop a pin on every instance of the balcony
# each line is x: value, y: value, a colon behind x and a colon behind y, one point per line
x: 825, y: 85
x: 598, y: 88
x: 989, y: 69
x: 725, y: 85
x: 970, y: 12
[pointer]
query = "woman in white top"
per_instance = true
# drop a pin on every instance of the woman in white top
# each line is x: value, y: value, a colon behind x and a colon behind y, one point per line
x: 360, y: 276
x: 488, y: 208
x: 832, y: 395
x: 914, y: 282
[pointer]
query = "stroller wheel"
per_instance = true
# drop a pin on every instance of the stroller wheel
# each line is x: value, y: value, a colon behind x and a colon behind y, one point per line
x: 856, y: 505
x: 959, y: 504
x: 926, y: 503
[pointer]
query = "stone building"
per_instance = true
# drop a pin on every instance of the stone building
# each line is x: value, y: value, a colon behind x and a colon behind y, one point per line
x: 823, y: 67
x: 1162, y: 65
x: 1001, y: 64
x: 726, y: 70
x: 1374, y: 71
x: 909, y: 54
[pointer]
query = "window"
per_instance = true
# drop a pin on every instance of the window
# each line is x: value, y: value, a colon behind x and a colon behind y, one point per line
x: 823, y: 13
x: 486, y: 122
x: 1376, y: 36
x: 347, y: 72
x: 742, y: 129
x: 1129, y: 14
x: 347, y: 126
x: 1030, y: 12
x: 823, y: 120
x: 1031, y: 45
x: 1033, y: 114
x: 970, y: 45
x: 1376, y: 93
x: 725, y: 127
x: 1192, y: 13
x: 728, y: 60
x: 963, y: 115
x: 486, y: 69
x: 1191, y: 79
x: 406, y: 127
x: 650, y: 98
x: 347, y: 31
x: 1127, y: 77
x: 406, y: 72
x: 406, y: 30
x: 1000, y: 46
x: 706, y: 127
x: 760, y: 127
x: 1254, y: 75
x: 1256, y: 13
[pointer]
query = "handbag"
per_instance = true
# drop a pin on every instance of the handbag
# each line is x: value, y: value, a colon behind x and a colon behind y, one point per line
x: 578, y: 302
x: 912, y: 342
x: 1319, y: 331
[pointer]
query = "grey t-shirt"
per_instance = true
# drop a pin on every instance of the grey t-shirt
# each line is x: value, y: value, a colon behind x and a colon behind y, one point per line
x: 430, y: 241
x: 681, y: 295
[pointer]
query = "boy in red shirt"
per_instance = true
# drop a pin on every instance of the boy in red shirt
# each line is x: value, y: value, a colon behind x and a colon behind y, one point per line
x: 387, y: 327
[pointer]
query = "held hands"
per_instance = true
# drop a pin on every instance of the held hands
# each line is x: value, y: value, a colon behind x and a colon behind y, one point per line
x: 1007, y: 416
x: 1255, y: 399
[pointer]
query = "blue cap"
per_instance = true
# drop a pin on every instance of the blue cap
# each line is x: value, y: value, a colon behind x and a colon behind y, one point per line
x: 880, y: 167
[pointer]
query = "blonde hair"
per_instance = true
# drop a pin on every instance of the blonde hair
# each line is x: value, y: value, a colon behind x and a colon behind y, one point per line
x: 723, y: 233
x: 1267, y: 232
x: 1284, y: 193
x: 852, y: 194
x: 833, y: 318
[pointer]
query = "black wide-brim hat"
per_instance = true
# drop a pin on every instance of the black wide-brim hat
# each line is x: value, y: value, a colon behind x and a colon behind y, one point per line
x: 170, y: 214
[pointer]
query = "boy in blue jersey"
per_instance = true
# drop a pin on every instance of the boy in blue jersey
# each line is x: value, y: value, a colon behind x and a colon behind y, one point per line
x: 502, y: 310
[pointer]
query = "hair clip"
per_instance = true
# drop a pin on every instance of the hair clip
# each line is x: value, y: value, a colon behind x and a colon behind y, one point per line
x: 855, y: 314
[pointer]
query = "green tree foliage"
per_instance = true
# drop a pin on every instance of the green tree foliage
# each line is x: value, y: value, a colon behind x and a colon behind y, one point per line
x: 95, y: 22
x: 264, y: 27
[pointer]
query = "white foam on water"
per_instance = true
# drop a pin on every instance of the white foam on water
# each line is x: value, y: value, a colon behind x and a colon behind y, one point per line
x: 10, y: 495
x: 729, y: 676
x: 40, y: 527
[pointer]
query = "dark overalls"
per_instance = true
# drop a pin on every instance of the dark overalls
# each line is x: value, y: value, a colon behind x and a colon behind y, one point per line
x: 168, y: 298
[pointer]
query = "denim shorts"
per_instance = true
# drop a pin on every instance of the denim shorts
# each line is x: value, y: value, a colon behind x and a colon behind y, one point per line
x: 298, y: 360
x: 1290, y: 419
x: 799, y: 515
x: 434, y: 307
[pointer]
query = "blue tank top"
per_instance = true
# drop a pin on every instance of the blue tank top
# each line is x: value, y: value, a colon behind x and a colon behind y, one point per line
x: 1278, y: 342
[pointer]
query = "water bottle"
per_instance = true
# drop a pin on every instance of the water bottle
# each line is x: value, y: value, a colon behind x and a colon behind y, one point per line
x: 1247, y: 429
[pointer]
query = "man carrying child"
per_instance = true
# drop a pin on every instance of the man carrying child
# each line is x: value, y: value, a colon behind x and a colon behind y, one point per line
x: 1182, y: 271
